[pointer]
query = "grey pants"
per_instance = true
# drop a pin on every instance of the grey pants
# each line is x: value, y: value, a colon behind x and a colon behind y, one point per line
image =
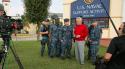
x: 79, y: 51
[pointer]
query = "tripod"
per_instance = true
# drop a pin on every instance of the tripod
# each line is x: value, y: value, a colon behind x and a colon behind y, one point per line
x: 6, y: 41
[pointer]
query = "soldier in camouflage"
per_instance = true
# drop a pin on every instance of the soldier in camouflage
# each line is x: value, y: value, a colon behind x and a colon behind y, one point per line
x: 66, y: 41
x: 55, y: 36
x: 94, y: 37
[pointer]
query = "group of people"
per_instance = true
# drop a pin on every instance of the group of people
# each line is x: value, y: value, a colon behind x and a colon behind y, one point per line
x: 60, y: 39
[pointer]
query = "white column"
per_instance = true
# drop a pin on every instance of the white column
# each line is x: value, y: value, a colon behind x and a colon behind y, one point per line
x: 7, y: 7
x: 124, y: 11
x: 67, y: 8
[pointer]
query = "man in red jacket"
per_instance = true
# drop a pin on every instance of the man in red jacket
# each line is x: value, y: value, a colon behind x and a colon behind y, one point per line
x: 80, y: 33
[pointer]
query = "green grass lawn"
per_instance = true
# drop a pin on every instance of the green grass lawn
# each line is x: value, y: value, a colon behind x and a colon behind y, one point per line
x: 29, y: 53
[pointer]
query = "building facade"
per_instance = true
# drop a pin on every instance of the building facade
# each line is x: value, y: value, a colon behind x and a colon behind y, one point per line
x: 6, y: 4
x: 115, y: 11
x: 124, y: 11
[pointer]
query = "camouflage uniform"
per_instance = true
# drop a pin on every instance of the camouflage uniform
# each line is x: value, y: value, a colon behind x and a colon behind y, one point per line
x: 67, y: 34
x: 55, y: 42
x: 94, y: 36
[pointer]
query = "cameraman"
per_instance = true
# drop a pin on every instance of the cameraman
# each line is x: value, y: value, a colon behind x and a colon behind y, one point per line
x: 5, y: 27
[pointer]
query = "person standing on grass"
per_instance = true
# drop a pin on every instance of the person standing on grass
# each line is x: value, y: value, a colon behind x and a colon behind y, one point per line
x: 55, y: 38
x: 80, y: 33
x: 44, y: 31
x: 94, y: 37
x: 66, y: 41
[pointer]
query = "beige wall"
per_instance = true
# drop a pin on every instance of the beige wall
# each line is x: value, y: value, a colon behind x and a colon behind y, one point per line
x: 116, y: 15
x: 31, y: 28
x: 115, y: 12
x: 123, y: 11
x: 66, y: 11
x: 67, y: 6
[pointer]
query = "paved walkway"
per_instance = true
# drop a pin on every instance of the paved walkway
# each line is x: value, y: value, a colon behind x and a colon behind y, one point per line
x: 105, y: 42
x: 28, y: 37
x: 23, y: 37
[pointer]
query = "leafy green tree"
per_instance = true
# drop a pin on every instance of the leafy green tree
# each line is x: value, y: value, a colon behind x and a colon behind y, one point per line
x: 36, y: 11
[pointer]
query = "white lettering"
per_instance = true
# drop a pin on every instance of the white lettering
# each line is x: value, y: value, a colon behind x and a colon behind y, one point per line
x: 94, y: 6
x: 80, y: 7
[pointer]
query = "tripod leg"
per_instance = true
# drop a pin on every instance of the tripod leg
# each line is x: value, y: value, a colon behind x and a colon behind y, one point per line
x: 5, y: 50
x: 7, y: 43
x: 17, y: 58
x: 4, y: 60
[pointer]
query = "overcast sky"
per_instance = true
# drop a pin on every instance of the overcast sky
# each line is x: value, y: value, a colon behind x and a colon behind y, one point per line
x: 17, y: 7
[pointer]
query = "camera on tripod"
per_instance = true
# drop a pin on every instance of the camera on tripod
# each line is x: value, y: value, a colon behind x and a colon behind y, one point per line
x: 7, y: 27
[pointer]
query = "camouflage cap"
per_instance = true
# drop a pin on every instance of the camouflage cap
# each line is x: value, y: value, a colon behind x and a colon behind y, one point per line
x: 54, y: 17
x: 66, y: 20
x: 1, y: 7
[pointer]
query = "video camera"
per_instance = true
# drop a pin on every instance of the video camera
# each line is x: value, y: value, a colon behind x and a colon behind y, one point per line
x: 8, y: 25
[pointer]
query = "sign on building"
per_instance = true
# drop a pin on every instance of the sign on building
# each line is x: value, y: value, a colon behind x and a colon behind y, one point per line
x: 91, y: 10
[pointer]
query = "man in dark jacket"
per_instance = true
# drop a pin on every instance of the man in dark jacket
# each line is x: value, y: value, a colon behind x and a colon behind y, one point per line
x: 44, y: 31
x: 115, y: 55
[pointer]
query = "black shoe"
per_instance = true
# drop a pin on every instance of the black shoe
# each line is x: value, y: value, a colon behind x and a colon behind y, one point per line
x: 93, y: 63
x: 42, y: 54
x: 68, y: 56
x: 62, y: 57
x: 57, y: 55
x: 51, y: 56
x: 88, y: 58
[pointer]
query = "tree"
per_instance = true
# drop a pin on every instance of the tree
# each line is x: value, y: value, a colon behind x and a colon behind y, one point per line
x: 25, y: 21
x: 36, y: 10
